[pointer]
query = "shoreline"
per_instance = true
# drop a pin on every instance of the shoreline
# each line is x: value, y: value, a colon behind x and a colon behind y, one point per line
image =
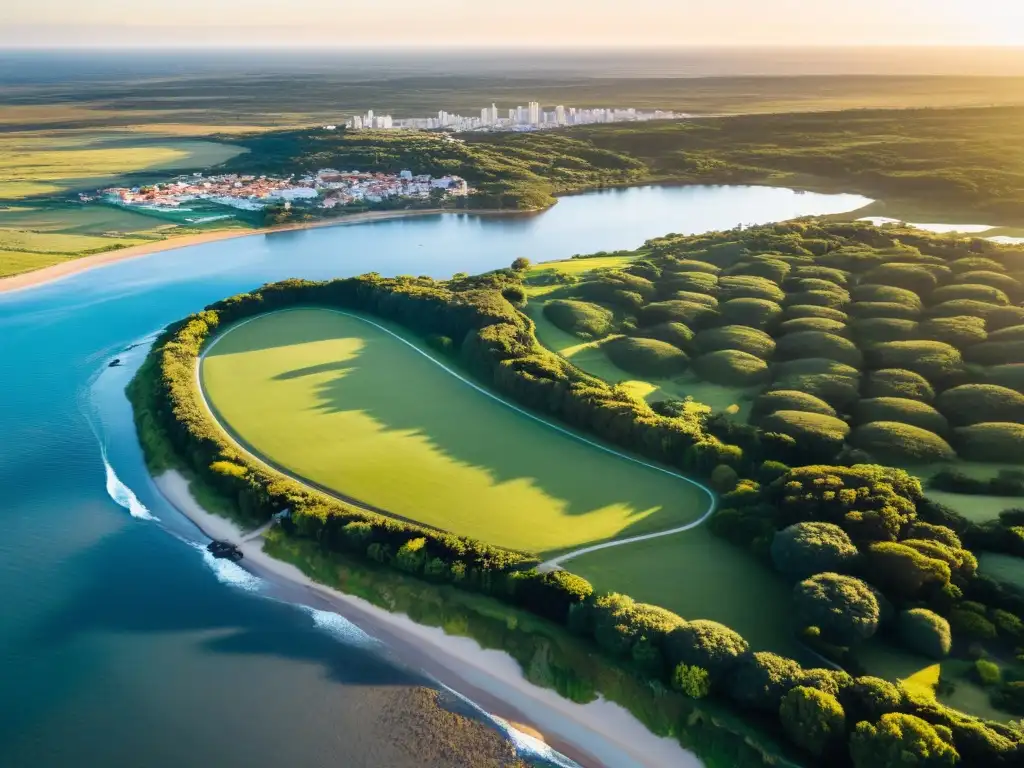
x: 56, y: 272
x: 600, y: 734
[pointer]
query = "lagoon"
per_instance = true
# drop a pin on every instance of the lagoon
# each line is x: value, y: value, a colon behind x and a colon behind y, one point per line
x: 123, y: 642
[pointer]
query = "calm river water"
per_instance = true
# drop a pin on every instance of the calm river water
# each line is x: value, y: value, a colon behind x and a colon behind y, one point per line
x: 121, y: 642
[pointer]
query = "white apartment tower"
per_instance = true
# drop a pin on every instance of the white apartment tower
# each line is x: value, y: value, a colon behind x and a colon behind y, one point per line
x: 560, y: 115
x: 494, y: 115
x: 534, y: 116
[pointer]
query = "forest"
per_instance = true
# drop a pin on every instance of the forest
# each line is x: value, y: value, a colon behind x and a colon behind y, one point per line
x: 949, y: 162
x: 807, y: 485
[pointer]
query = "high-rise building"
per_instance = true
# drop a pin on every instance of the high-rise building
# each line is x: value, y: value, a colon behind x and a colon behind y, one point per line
x: 560, y: 115
x: 485, y: 116
x: 534, y: 115
x: 494, y: 115
x: 521, y: 115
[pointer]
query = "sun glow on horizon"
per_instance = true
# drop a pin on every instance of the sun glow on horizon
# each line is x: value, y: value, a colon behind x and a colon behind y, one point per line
x: 570, y: 23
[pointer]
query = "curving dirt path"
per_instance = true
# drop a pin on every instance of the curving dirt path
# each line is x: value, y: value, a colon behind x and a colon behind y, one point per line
x: 548, y: 565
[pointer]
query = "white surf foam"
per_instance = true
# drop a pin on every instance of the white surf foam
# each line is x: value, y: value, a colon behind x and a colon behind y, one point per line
x: 530, y: 746
x: 339, y: 626
x: 123, y: 495
x: 228, y: 572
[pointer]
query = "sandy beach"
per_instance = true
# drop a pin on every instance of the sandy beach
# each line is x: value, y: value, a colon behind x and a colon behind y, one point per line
x: 85, y: 263
x: 598, y: 734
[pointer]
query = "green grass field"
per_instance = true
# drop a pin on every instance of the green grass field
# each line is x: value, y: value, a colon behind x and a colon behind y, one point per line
x: 34, y: 164
x: 1005, y: 568
x: 699, y: 576
x: 339, y: 402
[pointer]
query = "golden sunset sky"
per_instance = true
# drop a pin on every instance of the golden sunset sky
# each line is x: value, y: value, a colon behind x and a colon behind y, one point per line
x: 572, y: 23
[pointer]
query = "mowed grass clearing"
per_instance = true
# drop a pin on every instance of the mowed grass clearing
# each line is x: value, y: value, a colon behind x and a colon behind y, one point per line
x: 337, y: 401
x: 699, y: 576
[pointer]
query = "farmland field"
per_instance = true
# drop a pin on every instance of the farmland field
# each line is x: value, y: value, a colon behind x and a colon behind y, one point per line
x: 342, y: 403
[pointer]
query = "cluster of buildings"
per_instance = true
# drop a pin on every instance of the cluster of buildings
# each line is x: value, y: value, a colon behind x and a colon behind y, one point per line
x: 528, y: 118
x: 326, y: 188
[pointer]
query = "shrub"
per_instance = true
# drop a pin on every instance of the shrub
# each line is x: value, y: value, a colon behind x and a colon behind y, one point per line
x: 741, y: 337
x: 886, y: 293
x: 755, y: 313
x: 730, y: 367
x: 896, y: 382
x: 837, y: 276
x: 844, y: 608
x: 821, y: 345
x: 976, y: 403
x: 868, y: 309
x: 974, y: 292
x: 768, y: 268
x: 789, y: 400
x: 960, y: 332
x: 820, y: 324
x: 997, y: 318
x: 706, y: 644
x: 646, y: 357
x: 1013, y: 333
x: 1010, y: 697
x: 902, y: 410
x: 900, y: 741
x: 581, y: 318
x: 749, y: 287
x: 903, y: 571
x: 799, y: 284
x: 925, y: 632
x: 804, y: 549
x: 878, y: 330
x: 442, y: 344
x: 968, y: 308
x: 674, y: 311
x: 970, y: 626
x: 692, y: 265
x: 988, y: 673
x: 934, y: 360
x: 696, y: 298
x: 762, y: 679
x: 696, y: 282
x: 724, y: 478
x: 997, y: 353
x: 898, y: 443
x: 815, y: 431
x: 691, y: 681
x: 1008, y: 285
x: 834, y: 299
x: 913, y: 277
x: 1008, y: 625
x: 676, y: 334
x: 412, y: 555
x: 869, y: 698
x: 970, y: 263
x: 831, y: 381
x: 812, y: 719
x: 603, y: 284
x: 798, y: 311
x: 1010, y: 376
x: 990, y: 441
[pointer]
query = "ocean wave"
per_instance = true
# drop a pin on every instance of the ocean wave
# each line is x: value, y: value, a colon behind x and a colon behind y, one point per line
x: 339, y: 626
x: 228, y: 572
x: 123, y: 495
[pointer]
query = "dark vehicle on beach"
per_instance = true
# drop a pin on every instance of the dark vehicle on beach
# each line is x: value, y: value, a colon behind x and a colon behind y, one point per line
x: 225, y: 550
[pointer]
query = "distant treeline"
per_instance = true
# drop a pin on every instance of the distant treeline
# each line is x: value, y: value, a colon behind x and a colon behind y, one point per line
x: 970, y: 161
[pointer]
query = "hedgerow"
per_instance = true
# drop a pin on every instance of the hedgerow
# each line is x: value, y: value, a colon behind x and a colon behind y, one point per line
x: 731, y: 367
x: 901, y: 443
x: 902, y: 410
x: 646, y: 357
x: 756, y: 313
x: 975, y: 403
x: 897, y: 382
x: 589, y: 321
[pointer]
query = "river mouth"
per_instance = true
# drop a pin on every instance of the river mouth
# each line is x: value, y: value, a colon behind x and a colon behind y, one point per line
x: 99, y: 595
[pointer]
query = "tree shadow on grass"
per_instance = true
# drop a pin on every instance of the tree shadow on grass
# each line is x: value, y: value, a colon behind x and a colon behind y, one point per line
x: 402, y: 391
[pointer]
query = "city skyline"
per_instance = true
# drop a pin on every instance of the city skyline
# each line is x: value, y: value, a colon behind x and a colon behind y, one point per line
x: 532, y: 22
